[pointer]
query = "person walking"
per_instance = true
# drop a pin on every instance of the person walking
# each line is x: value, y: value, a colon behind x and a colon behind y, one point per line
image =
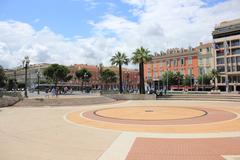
x: 53, y: 92
x: 47, y: 93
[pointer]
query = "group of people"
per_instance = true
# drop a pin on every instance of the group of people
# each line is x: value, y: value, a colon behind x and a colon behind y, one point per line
x: 56, y: 91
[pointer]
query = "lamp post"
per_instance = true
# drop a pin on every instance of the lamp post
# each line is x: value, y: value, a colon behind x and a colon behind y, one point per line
x: 85, y: 79
x: 15, y: 81
x: 167, y: 76
x: 202, y: 78
x: 192, y: 81
x: 38, y: 79
x: 25, y: 62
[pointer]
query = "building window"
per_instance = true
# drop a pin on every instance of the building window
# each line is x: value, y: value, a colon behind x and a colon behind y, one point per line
x: 149, y: 75
x: 233, y: 68
x: 155, y: 75
x: 220, y: 53
x: 149, y: 66
x: 208, y: 49
x: 182, y: 61
x: 235, y: 43
x: 207, y: 60
x: 182, y: 72
x: 200, y: 59
x: 189, y: 71
x: 220, y: 68
x: 168, y: 63
x: 200, y: 50
x: 161, y: 64
x: 189, y: 60
x: 236, y: 51
x: 154, y: 65
x: 160, y: 73
x: 175, y: 63
x: 220, y: 60
x: 219, y: 45
x: 238, y: 59
x: 233, y: 59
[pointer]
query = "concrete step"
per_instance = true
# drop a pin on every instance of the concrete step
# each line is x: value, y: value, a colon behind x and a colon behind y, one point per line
x: 60, y: 101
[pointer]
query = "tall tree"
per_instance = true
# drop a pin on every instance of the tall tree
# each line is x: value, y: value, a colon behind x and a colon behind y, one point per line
x: 56, y: 73
x: 205, y: 79
x: 169, y: 78
x: 84, y: 75
x: 108, y: 76
x: 178, y: 78
x: 2, y: 77
x: 215, y: 75
x: 141, y: 56
x: 120, y: 59
x: 187, y: 80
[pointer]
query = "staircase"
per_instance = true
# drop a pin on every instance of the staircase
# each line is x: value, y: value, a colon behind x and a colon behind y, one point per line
x: 202, y: 97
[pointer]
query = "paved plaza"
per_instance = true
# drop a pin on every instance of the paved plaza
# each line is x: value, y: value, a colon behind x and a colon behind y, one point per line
x: 118, y: 130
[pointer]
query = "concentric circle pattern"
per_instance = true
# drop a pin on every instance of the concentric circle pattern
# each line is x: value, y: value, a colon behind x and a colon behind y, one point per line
x: 149, y: 113
x: 159, y: 118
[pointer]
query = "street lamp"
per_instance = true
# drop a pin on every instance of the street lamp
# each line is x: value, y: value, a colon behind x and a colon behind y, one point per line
x: 167, y: 76
x: 192, y: 81
x: 85, y: 79
x: 38, y: 79
x: 25, y: 62
x: 202, y: 78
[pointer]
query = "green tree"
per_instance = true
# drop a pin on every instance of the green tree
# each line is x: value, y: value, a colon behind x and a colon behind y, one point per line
x: 187, y: 80
x: 141, y: 56
x: 215, y: 75
x: 68, y: 78
x: 168, y: 78
x: 56, y: 73
x: 10, y: 84
x: 84, y: 75
x: 108, y: 76
x: 120, y: 59
x: 205, y: 79
x: 178, y: 78
x: 2, y: 77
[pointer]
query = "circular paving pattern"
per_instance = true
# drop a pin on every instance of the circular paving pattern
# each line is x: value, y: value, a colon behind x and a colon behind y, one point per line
x: 149, y: 113
x: 159, y: 115
x: 164, y: 119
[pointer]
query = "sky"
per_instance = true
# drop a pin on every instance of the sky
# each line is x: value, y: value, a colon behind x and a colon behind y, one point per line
x: 91, y: 31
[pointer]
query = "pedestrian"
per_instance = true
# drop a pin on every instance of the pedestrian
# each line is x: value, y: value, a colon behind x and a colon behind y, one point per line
x: 53, y: 92
x: 47, y: 93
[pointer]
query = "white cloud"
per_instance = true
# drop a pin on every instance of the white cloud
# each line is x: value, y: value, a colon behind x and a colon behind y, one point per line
x: 20, y: 39
x: 159, y: 25
x: 169, y: 23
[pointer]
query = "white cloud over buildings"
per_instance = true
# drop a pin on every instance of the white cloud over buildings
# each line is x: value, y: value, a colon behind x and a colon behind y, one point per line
x: 159, y: 25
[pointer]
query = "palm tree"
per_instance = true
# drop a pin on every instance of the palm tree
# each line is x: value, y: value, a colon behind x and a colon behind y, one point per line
x: 215, y: 74
x: 141, y: 56
x: 120, y: 59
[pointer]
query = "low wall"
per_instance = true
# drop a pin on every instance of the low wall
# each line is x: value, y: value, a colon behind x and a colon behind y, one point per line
x: 9, y: 98
x: 8, y: 101
x: 131, y: 96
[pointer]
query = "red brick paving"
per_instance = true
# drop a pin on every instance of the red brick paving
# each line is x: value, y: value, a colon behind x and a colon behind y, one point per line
x: 211, y: 116
x: 183, y: 149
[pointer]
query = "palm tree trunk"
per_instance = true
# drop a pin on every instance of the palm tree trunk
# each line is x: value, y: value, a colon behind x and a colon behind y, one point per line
x: 141, y: 74
x: 120, y: 79
x: 82, y: 86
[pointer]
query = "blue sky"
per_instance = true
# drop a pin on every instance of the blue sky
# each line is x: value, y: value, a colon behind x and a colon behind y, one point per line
x: 67, y: 17
x: 91, y: 31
